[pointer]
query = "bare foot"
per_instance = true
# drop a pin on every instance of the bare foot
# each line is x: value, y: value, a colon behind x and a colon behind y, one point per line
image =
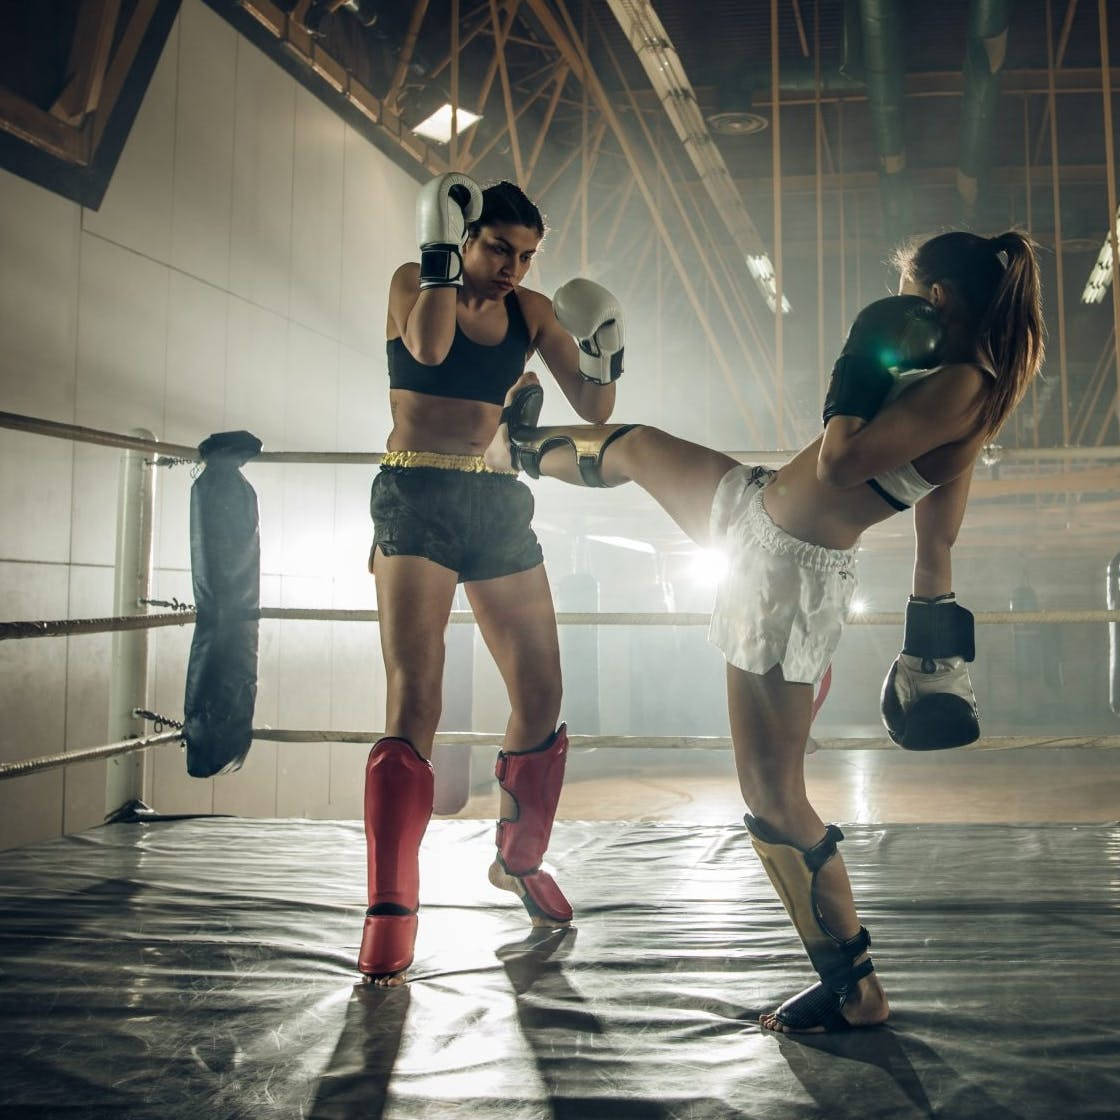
x: 497, y: 456
x: 391, y: 980
x: 866, y: 1007
x: 504, y: 881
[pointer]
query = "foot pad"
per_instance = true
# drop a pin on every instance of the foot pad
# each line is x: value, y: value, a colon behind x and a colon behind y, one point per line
x: 387, y: 944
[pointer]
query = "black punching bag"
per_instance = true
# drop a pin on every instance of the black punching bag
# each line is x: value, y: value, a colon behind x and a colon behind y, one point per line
x: 226, y: 571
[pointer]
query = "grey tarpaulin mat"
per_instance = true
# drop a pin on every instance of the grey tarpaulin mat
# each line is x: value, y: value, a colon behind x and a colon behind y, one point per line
x: 205, y: 968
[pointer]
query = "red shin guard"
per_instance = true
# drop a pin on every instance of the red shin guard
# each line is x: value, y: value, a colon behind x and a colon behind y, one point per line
x: 400, y: 788
x: 533, y: 779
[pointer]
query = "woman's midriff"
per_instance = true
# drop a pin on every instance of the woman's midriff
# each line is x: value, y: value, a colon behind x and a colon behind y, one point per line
x: 425, y: 423
x: 811, y: 510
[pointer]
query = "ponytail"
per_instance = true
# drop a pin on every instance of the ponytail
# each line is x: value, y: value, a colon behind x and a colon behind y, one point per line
x: 996, y: 281
x: 1011, y: 331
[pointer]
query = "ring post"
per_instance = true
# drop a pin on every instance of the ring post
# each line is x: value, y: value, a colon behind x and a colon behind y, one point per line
x: 1112, y: 601
x: 128, y: 675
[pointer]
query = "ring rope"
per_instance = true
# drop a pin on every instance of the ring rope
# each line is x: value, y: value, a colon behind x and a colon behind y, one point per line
x: 87, y: 754
x: 174, y: 453
x: 70, y: 626
x: 494, y: 738
x: 184, y: 614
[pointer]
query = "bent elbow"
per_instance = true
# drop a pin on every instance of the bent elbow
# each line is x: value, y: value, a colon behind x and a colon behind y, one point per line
x: 429, y: 355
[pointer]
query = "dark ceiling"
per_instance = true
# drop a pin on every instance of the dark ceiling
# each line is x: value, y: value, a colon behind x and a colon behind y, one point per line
x: 625, y: 203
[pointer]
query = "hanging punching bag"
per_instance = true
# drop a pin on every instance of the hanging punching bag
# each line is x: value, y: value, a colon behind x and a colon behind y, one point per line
x: 221, y: 687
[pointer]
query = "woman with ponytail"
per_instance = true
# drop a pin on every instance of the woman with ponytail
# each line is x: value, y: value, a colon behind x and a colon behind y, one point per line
x: 988, y: 291
x: 924, y: 380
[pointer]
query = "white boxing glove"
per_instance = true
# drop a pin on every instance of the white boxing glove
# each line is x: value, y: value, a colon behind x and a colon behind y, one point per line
x: 593, y: 316
x: 927, y: 701
x: 444, y: 208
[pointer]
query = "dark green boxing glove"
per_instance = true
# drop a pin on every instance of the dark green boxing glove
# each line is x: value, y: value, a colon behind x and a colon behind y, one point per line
x: 889, y: 336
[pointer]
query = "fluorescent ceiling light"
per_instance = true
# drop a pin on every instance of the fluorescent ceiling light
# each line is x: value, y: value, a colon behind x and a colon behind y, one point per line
x: 1101, y: 276
x: 762, y: 270
x: 625, y: 542
x: 438, y: 125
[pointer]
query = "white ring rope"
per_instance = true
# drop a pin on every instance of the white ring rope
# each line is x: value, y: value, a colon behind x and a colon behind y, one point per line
x: 69, y: 627
x: 87, y: 754
x: 177, y: 451
x: 494, y: 738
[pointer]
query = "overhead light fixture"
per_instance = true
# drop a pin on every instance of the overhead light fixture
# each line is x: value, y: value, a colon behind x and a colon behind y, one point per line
x: 762, y: 269
x: 1101, y: 276
x: 438, y: 126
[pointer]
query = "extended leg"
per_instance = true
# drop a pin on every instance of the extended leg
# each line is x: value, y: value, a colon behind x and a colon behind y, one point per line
x: 681, y: 477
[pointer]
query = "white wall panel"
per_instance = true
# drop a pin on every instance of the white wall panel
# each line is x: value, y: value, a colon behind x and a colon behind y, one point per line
x: 88, y: 665
x: 202, y: 187
x: 136, y: 209
x: 122, y: 350
x: 364, y: 420
x: 264, y: 131
x: 316, y: 216
x: 36, y: 474
x: 39, y: 248
x: 353, y: 530
x: 378, y: 224
x: 122, y: 338
x: 303, y: 771
x: 256, y: 368
x: 33, y: 700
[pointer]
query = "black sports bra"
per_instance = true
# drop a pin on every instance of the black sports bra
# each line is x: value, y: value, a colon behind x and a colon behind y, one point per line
x: 471, y: 371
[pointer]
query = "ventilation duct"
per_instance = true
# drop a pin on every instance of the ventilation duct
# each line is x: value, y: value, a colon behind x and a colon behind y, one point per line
x: 881, y: 28
x: 985, y: 52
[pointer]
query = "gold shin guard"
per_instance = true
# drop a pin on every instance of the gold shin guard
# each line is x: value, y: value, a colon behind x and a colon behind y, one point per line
x: 528, y: 442
x: 587, y: 443
x: 794, y: 875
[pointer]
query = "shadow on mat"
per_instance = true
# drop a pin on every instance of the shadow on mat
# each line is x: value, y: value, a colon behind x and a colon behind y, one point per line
x: 548, y: 1005
x: 910, y: 1064
x: 356, y: 1083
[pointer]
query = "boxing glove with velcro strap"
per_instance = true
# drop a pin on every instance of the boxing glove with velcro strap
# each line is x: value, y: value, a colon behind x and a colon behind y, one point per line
x: 592, y: 315
x: 927, y: 700
x: 888, y: 337
x: 444, y: 208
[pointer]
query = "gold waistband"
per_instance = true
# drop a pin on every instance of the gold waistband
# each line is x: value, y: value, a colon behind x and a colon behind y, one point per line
x: 471, y: 464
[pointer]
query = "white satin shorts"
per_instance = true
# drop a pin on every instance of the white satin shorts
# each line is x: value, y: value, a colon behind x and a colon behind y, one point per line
x: 782, y: 601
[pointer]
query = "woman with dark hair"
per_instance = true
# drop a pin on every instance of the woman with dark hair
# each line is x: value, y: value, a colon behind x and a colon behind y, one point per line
x: 924, y: 380
x: 460, y: 329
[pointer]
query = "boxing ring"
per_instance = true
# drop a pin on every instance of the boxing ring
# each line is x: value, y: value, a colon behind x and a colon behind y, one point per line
x: 166, y: 965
